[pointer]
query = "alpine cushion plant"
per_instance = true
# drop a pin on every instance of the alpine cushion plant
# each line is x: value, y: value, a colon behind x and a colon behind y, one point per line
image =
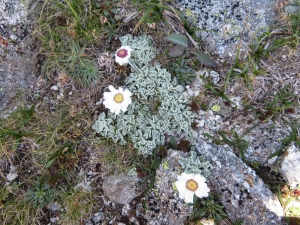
x: 158, y: 108
x: 195, y: 164
x: 143, y: 51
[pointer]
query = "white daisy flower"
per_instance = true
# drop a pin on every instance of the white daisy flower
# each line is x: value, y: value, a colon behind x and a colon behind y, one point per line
x: 123, y: 54
x: 190, y: 184
x: 117, y: 100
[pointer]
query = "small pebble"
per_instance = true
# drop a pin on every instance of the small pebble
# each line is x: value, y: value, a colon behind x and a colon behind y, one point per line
x: 190, y: 92
x: 246, y: 185
x: 54, y: 88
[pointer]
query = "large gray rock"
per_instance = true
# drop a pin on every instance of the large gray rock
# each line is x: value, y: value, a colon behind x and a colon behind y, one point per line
x: 18, y: 61
x: 243, y: 193
x: 264, y: 141
x: 166, y: 208
x: 230, y: 24
x: 290, y: 166
x: 292, y: 7
x: 120, y: 188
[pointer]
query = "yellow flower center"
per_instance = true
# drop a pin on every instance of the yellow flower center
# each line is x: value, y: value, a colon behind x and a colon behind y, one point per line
x: 191, y: 185
x: 118, y: 98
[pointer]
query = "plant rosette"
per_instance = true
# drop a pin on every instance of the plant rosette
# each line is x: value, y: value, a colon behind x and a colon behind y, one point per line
x: 123, y: 54
x: 117, y: 100
x: 190, y: 184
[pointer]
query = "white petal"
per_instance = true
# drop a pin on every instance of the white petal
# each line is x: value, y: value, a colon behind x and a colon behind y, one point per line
x: 108, y: 95
x: 109, y: 99
x: 182, y: 193
x: 120, y: 90
x: 181, y: 178
x: 118, y: 60
x: 125, y: 60
x: 127, y: 93
x: 126, y: 102
x: 106, y: 102
x: 202, y: 192
x: 185, y: 176
x: 202, y: 185
x: 180, y: 185
x: 126, y: 48
x: 189, y: 197
x: 122, y: 61
x: 118, y: 109
x: 199, y: 179
x: 113, y: 108
x: 109, y: 104
x: 111, y: 88
x: 124, y: 107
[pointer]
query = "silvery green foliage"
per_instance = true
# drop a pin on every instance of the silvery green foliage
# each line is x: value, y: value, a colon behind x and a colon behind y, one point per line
x: 195, y: 164
x: 159, y: 108
x: 132, y: 172
x: 142, y: 49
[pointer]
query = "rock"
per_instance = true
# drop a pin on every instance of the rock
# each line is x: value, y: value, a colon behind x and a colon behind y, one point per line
x: 265, y: 141
x: 290, y: 167
x: 13, y: 20
x: 165, y: 205
x: 205, y: 221
x: 256, y: 204
x: 120, y: 188
x: 11, y: 176
x: 54, y: 206
x: 190, y: 92
x: 54, y: 88
x: 98, y: 217
x: 230, y: 24
x: 12, y: 173
x: 214, y: 76
x: 18, y: 64
x: 53, y: 219
x: 292, y: 7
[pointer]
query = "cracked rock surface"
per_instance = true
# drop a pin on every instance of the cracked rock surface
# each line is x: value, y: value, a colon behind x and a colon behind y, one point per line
x: 169, y: 209
x: 243, y: 193
x: 120, y: 188
x: 290, y: 166
x: 229, y: 24
x: 18, y: 64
